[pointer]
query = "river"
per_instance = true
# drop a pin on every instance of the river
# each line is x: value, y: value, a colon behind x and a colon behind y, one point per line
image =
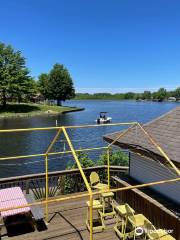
x: 24, y: 143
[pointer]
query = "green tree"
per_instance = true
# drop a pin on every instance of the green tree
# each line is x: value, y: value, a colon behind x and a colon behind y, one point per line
x: 60, y: 84
x: 161, y: 94
x: 43, y: 84
x: 14, y: 76
x: 146, y: 95
x: 177, y: 93
x: 129, y: 95
x: 24, y: 88
x: 31, y: 90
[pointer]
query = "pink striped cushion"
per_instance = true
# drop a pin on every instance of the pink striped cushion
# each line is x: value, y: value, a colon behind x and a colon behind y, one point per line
x: 12, y: 197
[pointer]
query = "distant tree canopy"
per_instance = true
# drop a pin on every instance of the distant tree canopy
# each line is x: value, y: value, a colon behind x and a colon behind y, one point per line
x: 146, y: 95
x: 14, y: 75
x: 160, y: 95
x: 57, y: 84
x: 176, y: 93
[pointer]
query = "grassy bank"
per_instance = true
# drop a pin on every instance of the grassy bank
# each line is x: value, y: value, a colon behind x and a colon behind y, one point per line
x: 28, y: 110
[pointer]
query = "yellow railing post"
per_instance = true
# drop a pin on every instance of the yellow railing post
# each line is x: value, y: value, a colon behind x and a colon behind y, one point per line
x: 46, y: 170
x: 91, y: 216
x: 84, y: 178
x: 47, y: 188
x: 108, y: 167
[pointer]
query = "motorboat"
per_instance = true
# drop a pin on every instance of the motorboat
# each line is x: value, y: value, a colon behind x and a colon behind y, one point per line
x: 102, y: 119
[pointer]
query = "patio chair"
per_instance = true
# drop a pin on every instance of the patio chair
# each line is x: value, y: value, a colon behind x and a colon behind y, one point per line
x: 152, y: 233
x: 135, y: 221
x: 107, y: 200
x: 120, y: 228
x: 98, y: 223
x: 95, y: 182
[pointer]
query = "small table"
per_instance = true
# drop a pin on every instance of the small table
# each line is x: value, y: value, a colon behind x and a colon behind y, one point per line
x: 12, y: 197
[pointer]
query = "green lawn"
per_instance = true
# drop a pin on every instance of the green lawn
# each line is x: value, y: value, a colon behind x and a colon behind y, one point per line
x: 26, y: 110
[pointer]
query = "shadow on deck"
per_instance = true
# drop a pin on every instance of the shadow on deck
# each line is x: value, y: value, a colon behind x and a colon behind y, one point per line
x: 67, y: 221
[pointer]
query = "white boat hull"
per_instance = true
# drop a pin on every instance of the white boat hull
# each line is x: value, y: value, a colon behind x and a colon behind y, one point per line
x: 102, y: 120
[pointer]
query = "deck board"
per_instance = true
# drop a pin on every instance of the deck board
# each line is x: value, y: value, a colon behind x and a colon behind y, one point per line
x: 67, y: 221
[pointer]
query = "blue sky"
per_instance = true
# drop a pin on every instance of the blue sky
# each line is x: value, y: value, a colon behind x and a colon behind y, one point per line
x: 107, y: 45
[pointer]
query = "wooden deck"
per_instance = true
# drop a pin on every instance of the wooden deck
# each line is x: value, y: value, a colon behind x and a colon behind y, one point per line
x: 67, y: 221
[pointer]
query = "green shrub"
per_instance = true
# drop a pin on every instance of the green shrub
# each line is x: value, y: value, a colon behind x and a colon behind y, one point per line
x: 74, y: 183
x: 117, y: 158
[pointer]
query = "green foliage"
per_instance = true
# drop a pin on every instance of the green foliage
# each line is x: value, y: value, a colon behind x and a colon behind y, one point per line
x: 60, y: 84
x: 42, y: 84
x: 84, y: 160
x: 102, y: 96
x: 176, y: 93
x: 17, y: 85
x: 14, y: 76
x: 161, y: 94
x: 129, y: 95
x: 117, y: 158
x: 70, y: 183
x: 146, y: 95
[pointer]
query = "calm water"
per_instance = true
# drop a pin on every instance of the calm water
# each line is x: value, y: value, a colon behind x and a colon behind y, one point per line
x: 37, y: 142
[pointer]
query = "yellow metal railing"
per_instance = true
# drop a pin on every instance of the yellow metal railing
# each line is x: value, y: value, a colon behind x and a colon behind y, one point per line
x: 63, y: 129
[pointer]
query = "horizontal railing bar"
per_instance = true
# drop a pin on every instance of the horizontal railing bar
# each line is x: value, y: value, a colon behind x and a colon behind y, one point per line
x: 51, y: 153
x: 60, y: 173
x: 66, y: 127
x: 93, y: 193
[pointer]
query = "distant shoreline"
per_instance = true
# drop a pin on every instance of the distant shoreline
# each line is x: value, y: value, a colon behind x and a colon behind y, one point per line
x: 108, y: 99
x: 31, y: 110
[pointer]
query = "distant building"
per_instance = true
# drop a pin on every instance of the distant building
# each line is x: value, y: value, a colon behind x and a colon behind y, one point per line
x: 146, y: 162
x: 172, y: 99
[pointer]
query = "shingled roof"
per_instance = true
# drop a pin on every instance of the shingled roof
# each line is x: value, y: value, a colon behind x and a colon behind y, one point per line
x: 165, y: 130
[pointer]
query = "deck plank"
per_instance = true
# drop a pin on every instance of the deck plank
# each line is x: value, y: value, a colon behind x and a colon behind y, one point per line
x: 68, y: 222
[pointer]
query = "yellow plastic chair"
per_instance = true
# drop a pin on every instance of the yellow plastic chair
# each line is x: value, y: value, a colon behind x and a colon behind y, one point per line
x: 152, y: 233
x: 95, y: 182
x: 121, y: 221
x: 98, y: 223
x: 135, y: 221
x: 107, y: 200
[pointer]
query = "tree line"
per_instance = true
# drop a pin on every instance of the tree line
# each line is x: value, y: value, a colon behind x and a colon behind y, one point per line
x: 17, y: 85
x: 160, y: 95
